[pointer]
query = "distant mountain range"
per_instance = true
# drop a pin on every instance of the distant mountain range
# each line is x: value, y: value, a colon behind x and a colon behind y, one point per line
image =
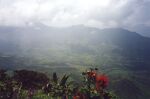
x: 123, y: 55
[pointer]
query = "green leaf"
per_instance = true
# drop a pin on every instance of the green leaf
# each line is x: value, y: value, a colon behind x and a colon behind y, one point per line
x: 55, y: 78
x: 64, y: 80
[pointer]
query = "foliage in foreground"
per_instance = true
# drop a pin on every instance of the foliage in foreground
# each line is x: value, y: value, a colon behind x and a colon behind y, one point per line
x: 34, y: 85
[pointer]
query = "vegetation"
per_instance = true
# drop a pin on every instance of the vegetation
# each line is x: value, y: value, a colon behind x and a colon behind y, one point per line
x: 24, y: 84
x: 122, y: 55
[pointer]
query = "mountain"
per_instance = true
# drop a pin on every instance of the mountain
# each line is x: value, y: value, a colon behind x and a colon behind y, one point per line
x: 141, y: 29
x: 121, y: 54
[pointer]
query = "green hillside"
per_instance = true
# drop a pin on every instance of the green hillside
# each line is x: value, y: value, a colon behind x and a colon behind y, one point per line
x: 121, y: 54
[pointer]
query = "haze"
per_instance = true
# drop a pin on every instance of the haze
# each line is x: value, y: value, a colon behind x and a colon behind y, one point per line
x: 129, y: 14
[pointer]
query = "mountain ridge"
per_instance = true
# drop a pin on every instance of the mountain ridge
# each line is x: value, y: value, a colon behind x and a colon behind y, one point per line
x: 121, y: 54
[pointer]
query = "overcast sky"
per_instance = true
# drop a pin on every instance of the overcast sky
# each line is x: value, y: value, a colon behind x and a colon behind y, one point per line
x: 130, y: 14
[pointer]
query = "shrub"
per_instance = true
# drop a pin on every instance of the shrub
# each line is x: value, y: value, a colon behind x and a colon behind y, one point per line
x: 30, y: 79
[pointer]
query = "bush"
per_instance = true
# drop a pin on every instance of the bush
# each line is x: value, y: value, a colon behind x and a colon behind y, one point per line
x: 30, y: 79
x: 34, y: 85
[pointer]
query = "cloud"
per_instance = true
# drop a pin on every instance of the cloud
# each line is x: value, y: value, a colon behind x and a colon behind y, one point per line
x: 98, y: 13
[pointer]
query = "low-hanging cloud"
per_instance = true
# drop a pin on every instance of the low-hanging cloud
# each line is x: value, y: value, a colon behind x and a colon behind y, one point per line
x: 98, y: 13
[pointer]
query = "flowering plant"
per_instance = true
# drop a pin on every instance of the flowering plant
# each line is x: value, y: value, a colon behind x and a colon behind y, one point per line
x: 94, y: 86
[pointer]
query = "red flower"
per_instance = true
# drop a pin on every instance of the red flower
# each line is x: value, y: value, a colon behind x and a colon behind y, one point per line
x: 101, y: 81
x: 91, y: 74
x: 76, y: 97
x: 79, y: 96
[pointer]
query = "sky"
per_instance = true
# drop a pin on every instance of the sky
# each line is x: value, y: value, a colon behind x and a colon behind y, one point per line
x: 129, y: 14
